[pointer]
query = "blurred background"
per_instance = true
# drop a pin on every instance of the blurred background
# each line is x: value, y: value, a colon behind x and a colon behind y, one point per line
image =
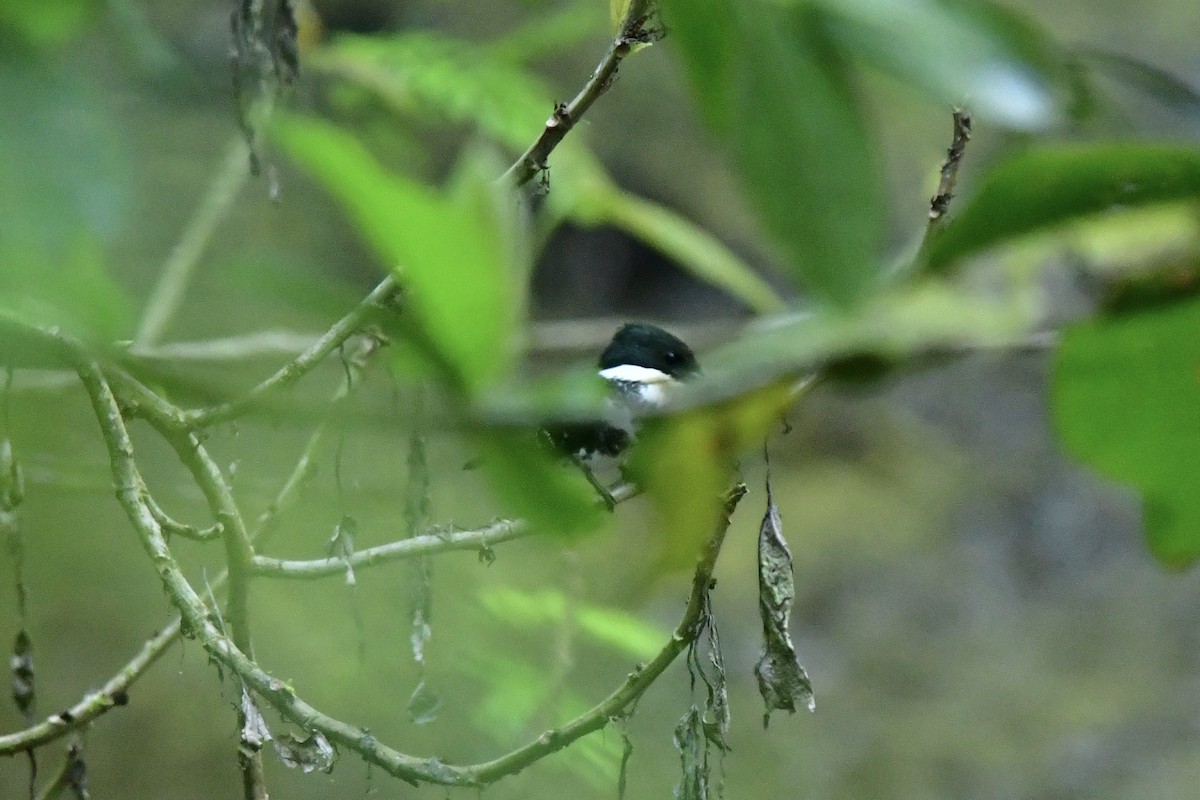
x: 979, y: 616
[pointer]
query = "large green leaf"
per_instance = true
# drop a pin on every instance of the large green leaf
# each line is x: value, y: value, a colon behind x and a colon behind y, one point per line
x: 700, y: 30
x: 442, y: 80
x: 1042, y: 188
x: 686, y: 463
x: 455, y: 254
x: 960, y: 52
x: 1126, y: 400
x: 792, y: 120
x: 532, y: 484
x: 805, y: 154
x: 688, y: 244
x: 64, y: 193
x: 44, y: 24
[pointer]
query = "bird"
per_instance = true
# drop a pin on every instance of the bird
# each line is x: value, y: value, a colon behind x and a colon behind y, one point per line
x: 643, y: 365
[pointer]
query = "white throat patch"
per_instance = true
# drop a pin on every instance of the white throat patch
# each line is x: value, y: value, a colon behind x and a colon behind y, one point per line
x: 646, y: 385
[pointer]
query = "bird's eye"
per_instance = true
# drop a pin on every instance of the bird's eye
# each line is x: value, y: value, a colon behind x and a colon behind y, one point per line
x: 672, y: 356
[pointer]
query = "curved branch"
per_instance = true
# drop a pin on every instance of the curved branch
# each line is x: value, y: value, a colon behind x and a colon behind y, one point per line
x: 638, y: 681
x: 173, y: 527
x: 198, y: 622
x: 111, y: 695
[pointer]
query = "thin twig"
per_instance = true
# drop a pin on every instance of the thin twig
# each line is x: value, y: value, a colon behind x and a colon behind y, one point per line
x: 949, y: 175
x: 424, y: 545
x: 68, y: 772
x: 176, y: 274
x: 294, y: 370
x: 480, y: 539
x: 113, y: 694
x: 173, y: 527
x: 633, y: 31
x: 242, y: 347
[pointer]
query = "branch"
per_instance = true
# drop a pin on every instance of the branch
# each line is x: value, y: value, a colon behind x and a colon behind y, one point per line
x: 425, y: 545
x: 111, y: 695
x: 114, y: 693
x: 386, y: 291
x: 633, y: 31
x: 258, y: 344
x: 197, y: 620
x: 638, y: 681
x: 949, y: 175
x: 172, y: 527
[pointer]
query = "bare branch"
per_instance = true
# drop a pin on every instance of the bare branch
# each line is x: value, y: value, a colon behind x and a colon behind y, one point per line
x: 172, y: 527
x: 294, y: 370
x: 169, y: 291
x: 113, y: 694
x: 633, y: 31
x: 283, y: 698
x: 949, y: 176
x: 425, y: 545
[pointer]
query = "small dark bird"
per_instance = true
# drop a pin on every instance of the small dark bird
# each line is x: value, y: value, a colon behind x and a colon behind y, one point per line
x: 643, y: 364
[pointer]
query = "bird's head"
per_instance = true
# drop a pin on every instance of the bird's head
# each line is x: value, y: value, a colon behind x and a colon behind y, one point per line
x: 651, y: 349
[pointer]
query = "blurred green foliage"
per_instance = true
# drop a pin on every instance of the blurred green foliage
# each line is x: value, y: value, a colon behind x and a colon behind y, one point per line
x: 783, y: 88
x: 1126, y: 396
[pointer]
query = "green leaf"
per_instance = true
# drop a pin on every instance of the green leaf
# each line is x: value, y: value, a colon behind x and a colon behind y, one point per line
x: 804, y: 153
x: 1146, y: 79
x: 960, y: 52
x: 43, y: 24
x: 439, y: 79
x: 686, y: 461
x: 701, y: 29
x: 531, y: 484
x: 608, y: 626
x: 1126, y: 400
x: 691, y: 246
x: 1042, y: 188
x: 73, y: 292
x: 64, y: 190
x: 455, y: 254
x: 772, y: 84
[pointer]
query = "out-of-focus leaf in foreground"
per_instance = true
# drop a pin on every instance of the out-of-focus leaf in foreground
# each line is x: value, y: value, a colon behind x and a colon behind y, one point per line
x: 686, y: 461
x: 1045, y: 187
x: 791, y: 118
x: 437, y: 79
x: 609, y: 626
x: 960, y: 51
x: 1126, y: 400
x: 454, y: 254
x: 532, y: 484
x: 45, y: 24
x: 64, y: 188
